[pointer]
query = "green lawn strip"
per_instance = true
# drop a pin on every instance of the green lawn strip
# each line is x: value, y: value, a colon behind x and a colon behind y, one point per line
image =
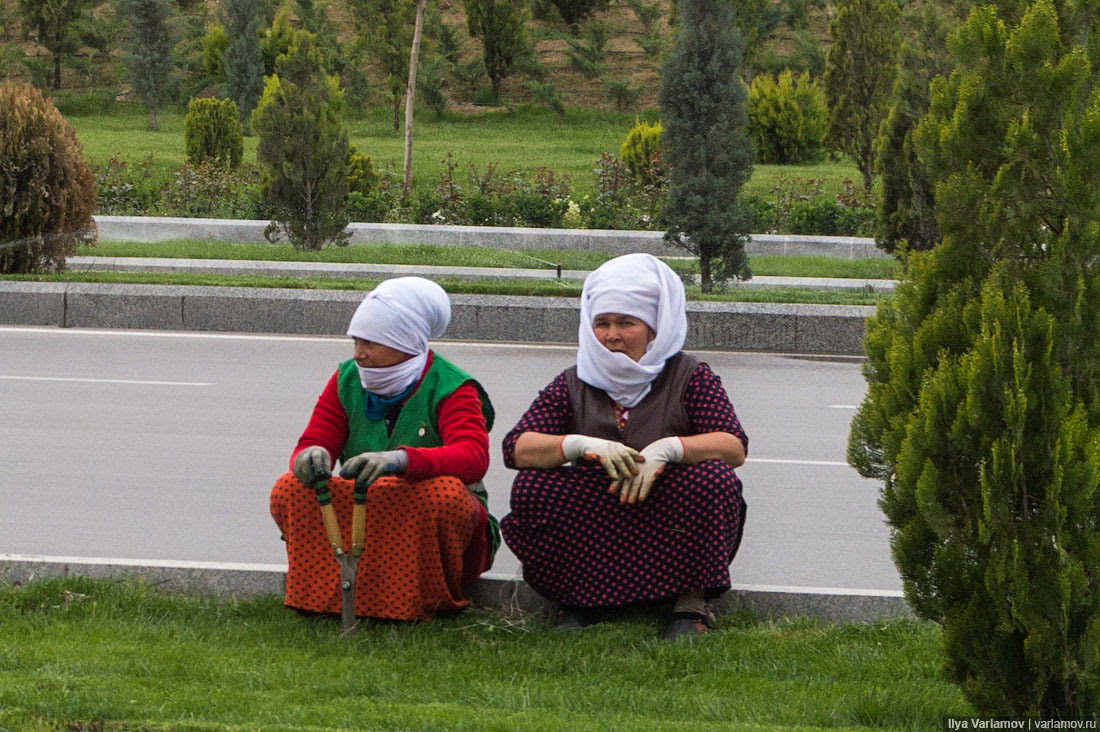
x: 523, y: 139
x: 99, y: 652
x: 459, y: 256
x: 549, y: 288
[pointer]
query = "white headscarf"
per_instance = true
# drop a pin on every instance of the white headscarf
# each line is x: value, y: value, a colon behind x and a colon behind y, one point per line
x: 402, y: 313
x: 642, y: 286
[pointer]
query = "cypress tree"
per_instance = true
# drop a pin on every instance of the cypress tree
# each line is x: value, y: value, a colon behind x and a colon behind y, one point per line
x: 501, y: 25
x: 304, y: 148
x: 243, y: 60
x: 707, y: 149
x: 983, y: 409
x: 905, y: 207
x: 147, y: 53
x: 859, y: 74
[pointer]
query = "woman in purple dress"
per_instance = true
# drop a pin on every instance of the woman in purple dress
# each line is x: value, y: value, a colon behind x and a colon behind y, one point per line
x: 626, y: 491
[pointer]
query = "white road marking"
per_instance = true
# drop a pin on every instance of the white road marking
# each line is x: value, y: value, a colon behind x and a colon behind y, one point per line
x: 843, y: 406
x: 106, y: 381
x: 792, y: 461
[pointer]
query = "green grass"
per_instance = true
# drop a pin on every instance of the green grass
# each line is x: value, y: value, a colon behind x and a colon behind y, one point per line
x: 522, y: 139
x: 82, y: 655
x: 457, y: 256
x: 548, y: 288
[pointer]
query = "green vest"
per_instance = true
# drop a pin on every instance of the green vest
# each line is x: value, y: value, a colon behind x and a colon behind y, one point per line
x: 417, y: 423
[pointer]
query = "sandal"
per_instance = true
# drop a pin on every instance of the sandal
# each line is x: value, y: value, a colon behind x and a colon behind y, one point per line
x: 573, y: 618
x: 685, y: 624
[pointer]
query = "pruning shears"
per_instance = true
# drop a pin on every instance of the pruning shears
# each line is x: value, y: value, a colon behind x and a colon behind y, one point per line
x: 348, y: 562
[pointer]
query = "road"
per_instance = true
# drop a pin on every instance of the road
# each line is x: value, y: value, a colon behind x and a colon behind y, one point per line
x: 164, y: 445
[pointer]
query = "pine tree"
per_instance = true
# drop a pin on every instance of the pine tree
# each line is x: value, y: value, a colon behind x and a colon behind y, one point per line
x: 56, y: 24
x: 983, y: 409
x: 304, y: 148
x: 243, y: 60
x: 859, y: 75
x: 386, y: 28
x: 502, y: 27
x: 707, y: 149
x: 148, y: 52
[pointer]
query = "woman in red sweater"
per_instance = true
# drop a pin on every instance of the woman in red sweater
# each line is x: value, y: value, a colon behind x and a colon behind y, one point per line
x: 412, y: 427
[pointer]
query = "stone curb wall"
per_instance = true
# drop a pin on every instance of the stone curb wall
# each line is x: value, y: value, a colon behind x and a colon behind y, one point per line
x: 808, y: 329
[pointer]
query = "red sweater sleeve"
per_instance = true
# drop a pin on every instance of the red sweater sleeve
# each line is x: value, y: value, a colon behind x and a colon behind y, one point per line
x: 465, y: 450
x: 328, y: 425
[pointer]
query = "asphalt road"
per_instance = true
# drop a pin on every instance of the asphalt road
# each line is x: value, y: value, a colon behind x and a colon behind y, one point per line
x: 163, y: 446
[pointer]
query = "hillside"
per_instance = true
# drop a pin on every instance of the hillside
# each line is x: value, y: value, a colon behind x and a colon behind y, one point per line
x: 625, y: 60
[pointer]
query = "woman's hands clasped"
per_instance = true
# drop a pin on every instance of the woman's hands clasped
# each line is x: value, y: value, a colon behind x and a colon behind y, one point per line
x: 632, y: 473
x: 654, y: 457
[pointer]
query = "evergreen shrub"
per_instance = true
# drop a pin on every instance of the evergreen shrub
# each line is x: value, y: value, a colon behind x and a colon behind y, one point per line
x: 787, y: 119
x: 47, y: 192
x: 212, y: 131
x: 641, y: 149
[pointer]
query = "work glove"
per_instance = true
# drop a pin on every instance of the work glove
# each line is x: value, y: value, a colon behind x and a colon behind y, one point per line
x: 312, y: 465
x: 368, y: 467
x: 616, y: 458
x: 657, y: 454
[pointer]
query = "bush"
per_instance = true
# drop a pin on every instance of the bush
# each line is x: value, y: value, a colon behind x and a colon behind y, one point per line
x: 621, y: 200
x: 622, y: 95
x: 209, y: 190
x: 122, y: 192
x: 787, y: 119
x: 641, y: 147
x: 47, y: 192
x: 212, y: 131
x: 492, y: 198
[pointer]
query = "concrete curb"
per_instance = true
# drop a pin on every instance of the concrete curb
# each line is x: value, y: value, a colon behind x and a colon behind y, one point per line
x: 508, y: 594
x: 780, y: 328
x: 163, y: 228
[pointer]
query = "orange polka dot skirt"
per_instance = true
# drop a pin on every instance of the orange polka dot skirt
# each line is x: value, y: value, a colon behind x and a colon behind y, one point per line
x: 424, y: 541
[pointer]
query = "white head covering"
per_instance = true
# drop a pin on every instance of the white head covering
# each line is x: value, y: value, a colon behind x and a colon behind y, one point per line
x: 646, y: 288
x: 402, y: 313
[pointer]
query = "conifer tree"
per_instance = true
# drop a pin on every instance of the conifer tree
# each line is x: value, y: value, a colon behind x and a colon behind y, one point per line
x: 56, y: 24
x: 386, y: 29
x: 148, y: 51
x: 859, y: 75
x: 304, y: 149
x: 243, y: 60
x: 706, y: 145
x: 501, y: 25
x: 906, y: 202
x: 983, y: 409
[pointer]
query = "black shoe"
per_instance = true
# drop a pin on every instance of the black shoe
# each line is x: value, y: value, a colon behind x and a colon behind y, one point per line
x: 573, y: 618
x: 682, y: 625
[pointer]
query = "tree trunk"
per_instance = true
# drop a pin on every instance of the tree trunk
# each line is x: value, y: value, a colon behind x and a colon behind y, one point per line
x: 410, y: 95
x: 56, y: 72
x: 705, y: 283
x: 153, y: 119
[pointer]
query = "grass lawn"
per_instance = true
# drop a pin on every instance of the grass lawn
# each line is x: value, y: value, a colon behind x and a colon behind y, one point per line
x: 523, y: 139
x: 457, y: 256
x: 82, y: 655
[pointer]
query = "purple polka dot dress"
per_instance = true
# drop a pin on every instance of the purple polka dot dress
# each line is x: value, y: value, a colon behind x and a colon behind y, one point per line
x: 580, y: 546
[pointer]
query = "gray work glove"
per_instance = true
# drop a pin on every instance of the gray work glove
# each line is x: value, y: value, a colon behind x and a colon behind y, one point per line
x: 368, y: 467
x: 312, y: 464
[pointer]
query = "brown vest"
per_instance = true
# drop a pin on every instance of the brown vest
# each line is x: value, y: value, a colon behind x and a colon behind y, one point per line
x: 660, y: 414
